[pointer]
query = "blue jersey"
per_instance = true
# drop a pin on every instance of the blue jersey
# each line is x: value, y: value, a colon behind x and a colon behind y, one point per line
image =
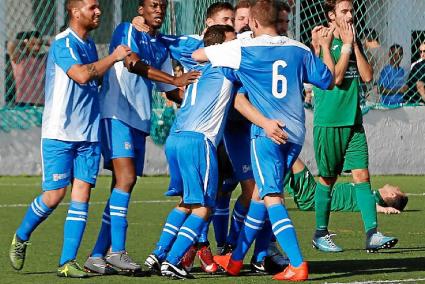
x: 272, y: 71
x: 182, y: 47
x: 206, y: 103
x: 71, y: 111
x: 127, y: 96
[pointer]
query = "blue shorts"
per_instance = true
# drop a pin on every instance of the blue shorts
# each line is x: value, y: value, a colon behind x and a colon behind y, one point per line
x: 192, y: 159
x: 62, y: 161
x: 237, y: 141
x: 271, y: 163
x: 120, y: 140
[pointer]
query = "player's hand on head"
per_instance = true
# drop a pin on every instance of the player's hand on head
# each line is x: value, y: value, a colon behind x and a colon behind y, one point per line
x: 186, y: 79
x: 139, y: 23
x: 274, y: 130
x: 121, y: 52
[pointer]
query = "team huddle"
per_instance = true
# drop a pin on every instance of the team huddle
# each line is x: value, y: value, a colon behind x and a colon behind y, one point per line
x: 242, y: 105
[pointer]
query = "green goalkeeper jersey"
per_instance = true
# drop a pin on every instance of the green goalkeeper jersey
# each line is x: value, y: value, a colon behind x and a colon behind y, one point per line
x: 341, y: 105
x: 301, y: 186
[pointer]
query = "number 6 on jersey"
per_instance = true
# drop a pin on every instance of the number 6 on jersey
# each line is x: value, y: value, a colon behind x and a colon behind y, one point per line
x: 279, y: 78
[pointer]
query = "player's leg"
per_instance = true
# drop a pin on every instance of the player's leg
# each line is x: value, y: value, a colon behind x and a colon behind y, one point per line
x: 356, y: 160
x: 272, y: 192
x: 227, y: 184
x: 238, y: 143
x: 254, y: 220
x: 177, y: 216
x: 57, y: 164
x: 85, y: 168
x: 330, y: 144
x: 198, y: 165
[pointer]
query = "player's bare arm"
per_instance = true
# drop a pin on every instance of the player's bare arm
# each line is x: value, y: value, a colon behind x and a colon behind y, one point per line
x: 347, y: 37
x: 325, y: 37
x: 315, y: 46
x: 272, y: 127
x: 84, y: 73
x: 200, y: 55
x: 135, y: 65
x: 365, y: 69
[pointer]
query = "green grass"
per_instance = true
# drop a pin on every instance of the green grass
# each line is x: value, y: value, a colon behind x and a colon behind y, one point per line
x: 405, y: 261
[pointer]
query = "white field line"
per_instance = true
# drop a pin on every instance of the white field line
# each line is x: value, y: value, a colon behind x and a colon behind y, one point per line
x: 97, y: 203
x: 143, y: 201
x: 381, y: 281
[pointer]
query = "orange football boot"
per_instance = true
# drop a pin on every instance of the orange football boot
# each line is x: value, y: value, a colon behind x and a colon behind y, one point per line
x: 291, y: 273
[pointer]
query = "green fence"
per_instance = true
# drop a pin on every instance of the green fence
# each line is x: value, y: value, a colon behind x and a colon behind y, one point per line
x: 27, y: 27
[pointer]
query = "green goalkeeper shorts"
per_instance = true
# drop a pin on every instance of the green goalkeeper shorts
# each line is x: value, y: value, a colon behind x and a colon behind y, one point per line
x: 340, y: 149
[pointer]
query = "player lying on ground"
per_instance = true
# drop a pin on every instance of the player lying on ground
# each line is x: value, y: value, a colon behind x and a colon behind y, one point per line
x: 301, y: 185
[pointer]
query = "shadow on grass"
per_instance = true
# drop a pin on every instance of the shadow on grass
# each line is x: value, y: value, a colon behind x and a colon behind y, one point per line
x: 347, y: 268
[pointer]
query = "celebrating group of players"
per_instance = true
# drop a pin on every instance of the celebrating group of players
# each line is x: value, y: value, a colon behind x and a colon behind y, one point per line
x: 244, y: 100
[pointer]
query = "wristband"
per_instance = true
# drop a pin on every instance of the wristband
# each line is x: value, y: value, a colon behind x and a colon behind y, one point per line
x: 347, y: 48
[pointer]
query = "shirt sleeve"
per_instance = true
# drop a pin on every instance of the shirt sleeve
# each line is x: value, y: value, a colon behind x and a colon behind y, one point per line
x: 166, y: 67
x: 316, y: 72
x: 181, y: 48
x: 228, y: 54
x: 66, y: 54
x: 125, y: 34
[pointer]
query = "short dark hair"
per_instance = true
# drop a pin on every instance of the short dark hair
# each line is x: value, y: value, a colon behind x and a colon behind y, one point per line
x: 370, y: 35
x: 329, y: 6
x: 217, y: 7
x: 398, y: 202
x: 142, y: 2
x: 265, y: 13
x: 70, y: 3
x: 243, y: 4
x: 396, y: 46
x: 282, y: 6
x: 217, y: 34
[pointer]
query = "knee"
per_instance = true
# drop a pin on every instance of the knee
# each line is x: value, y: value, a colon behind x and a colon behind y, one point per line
x: 52, y: 198
x: 125, y: 181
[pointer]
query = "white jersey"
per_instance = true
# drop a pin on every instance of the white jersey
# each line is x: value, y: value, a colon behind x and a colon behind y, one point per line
x: 71, y: 111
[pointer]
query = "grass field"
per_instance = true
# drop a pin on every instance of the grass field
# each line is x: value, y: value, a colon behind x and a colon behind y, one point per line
x: 404, y: 263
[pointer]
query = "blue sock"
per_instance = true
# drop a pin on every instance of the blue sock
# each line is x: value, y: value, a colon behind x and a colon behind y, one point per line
x: 104, y: 239
x: 253, y: 224
x: 118, y: 206
x: 284, y: 231
x: 262, y: 241
x: 36, y: 213
x: 203, y: 237
x: 221, y: 219
x: 172, y: 225
x: 236, y: 223
x: 75, y: 224
x: 187, y: 236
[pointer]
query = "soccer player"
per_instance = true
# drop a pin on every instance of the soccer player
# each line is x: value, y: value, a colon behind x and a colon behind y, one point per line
x: 339, y: 137
x: 301, y: 185
x: 70, y: 140
x: 191, y: 154
x: 126, y: 113
x: 272, y: 69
